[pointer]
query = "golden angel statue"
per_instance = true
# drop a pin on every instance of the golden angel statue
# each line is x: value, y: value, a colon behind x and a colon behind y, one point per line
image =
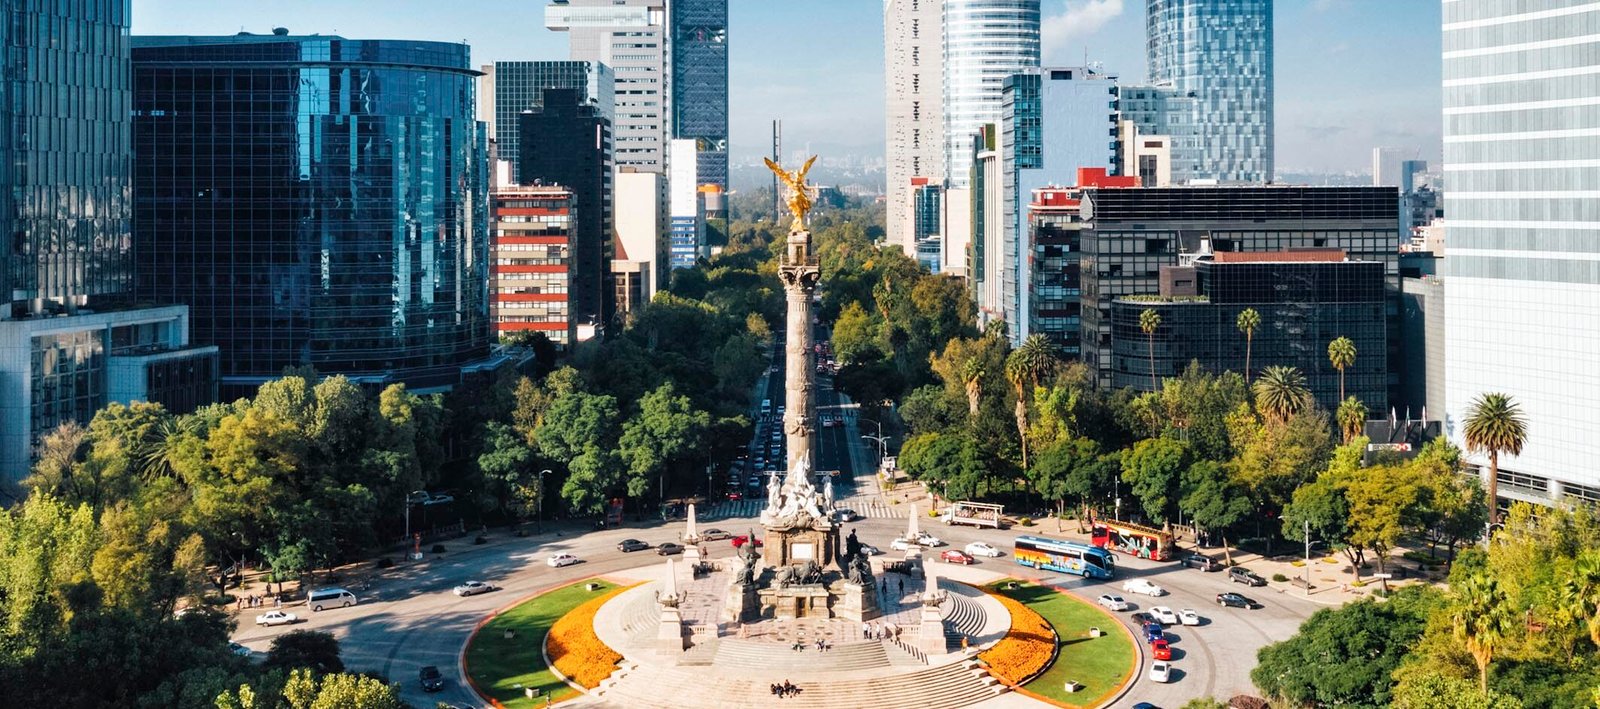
x: 799, y: 198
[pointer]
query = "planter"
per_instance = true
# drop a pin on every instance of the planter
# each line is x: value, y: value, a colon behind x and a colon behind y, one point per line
x: 510, y: 633
x: 1071, y: 686
x: 1095, y: 633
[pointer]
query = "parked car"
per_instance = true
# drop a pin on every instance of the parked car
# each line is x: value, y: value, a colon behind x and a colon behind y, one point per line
x: 1153, y: 631
x: 955, y: 556
x: 1161, y: 671
x: 982, y: 549
x: 714, y: 534
x: 432, y: 679
x: 473, y: 588
x: 899, y: 544
x: 1161, y: 649
x: 1144, y: 587
x: 928, y: 540
x: 1201, y: 562
x: 239, y: 650
x: 563, y: 559
x: 632, y: 545
x: 740, y: 540
x: 669, y: 548
x: 1188, y: 616
x: 1164, y: 615
x: 1236, y: 600
x: 277, y: 618
x: 1113, y: 601
x: 1239, y: 574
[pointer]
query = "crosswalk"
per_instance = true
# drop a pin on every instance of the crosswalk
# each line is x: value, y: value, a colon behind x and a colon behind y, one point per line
x: 868, y: 506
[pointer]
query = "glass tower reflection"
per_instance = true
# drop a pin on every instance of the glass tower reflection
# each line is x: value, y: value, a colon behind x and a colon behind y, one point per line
x: 1220, y: 53
x: 316, y: 201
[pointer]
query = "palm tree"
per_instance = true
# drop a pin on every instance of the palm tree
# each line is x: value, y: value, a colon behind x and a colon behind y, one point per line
x: 1481, y: 617
x: 972, y: 379
x: 1038, y: 355
x: 1281, y: 392
x: 1017, y: 374
x: 1352, y: 416
x: 1248, y: 321
x: 1342, y: 353
x: 1149, y: 320
x: 1025, y: 366
x: 1495, y: 425
x: 1580, y: 593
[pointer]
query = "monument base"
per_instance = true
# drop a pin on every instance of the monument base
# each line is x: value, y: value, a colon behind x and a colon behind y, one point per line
x: 670, y: 638
x: 856, y: 603
x: 930, y: 634
x: 741, y: 605
x: 796, y: 602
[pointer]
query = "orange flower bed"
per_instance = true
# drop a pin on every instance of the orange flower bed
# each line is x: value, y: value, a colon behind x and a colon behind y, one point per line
x: 576, y: 651
x: 1025, y: 651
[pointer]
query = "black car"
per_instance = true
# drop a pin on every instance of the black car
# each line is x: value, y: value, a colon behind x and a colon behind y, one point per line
x: 1201, y: 562
x: 632, y: 545
x: 669, y: 548
x: 1245, y: 576
x: 1236, y: 600
x: 432, y: 680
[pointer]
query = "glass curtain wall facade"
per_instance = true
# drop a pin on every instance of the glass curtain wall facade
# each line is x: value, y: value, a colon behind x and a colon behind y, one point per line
x: 1522, y: 280
x: 700, y: 84
x: 316, y: 201
x: 519, y: 86
x: 985, y: 41
x: 64, y: 206
x: 1219, y: 52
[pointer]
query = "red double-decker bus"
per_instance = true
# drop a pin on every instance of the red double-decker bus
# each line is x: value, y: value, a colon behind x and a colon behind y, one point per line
x: 1134, y: 539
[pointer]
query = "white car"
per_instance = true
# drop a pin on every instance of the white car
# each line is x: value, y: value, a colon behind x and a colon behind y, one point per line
x: 1187, y: 616
x: 559, y: 560
x: 899, y: 544
x: 1164, y: 615
x: 982, y: 549
x: 1144, y: 587
x: 1161, y: 672
x: 1113, y: 601
x: 928, y: 540
x: 473, y: 588
x: 276, y: 618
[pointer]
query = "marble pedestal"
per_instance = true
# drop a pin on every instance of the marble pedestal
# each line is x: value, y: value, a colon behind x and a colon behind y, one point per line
x: 930, y: 633
x: 742, y: 605
x: 857, y: 603
x: 670, y: 638
x: 795, y: 602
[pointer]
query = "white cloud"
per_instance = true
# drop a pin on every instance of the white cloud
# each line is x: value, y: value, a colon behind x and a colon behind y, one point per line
x: 1076, y: 21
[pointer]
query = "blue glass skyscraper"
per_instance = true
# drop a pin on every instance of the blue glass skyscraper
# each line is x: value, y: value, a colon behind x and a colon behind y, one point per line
x: 700, y: 84
x: 316, y: 201
x: 1220, y: 53
x: 985, y: 41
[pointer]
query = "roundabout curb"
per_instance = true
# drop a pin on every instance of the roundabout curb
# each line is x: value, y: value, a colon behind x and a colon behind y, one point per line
x: 464, y: 668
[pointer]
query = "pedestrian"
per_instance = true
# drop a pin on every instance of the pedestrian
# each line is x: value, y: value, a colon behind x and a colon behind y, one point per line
x: 902, y: 583
x: 277, y: 602
x: 866, y: 631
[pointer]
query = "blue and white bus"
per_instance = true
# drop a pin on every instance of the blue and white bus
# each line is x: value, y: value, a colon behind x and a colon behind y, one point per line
x: 1064, y: 556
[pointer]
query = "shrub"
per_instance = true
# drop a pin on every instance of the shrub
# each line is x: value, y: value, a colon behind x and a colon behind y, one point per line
x: 1297, y: 563
x: 437, y: 549
x: 576, y: 651
x: 385, y: 563
x: 1026, y: 521
x: 1025, y: 651
x: 1280, y: 578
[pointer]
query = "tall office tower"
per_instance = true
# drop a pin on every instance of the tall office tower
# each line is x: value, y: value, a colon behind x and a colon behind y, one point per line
x: 317, y: 201
x: 532, y: 251
x: 1521, y: 283
x: 568, y: 143
x: 631, y: 37
x: 1221, y: 54
x: 699, y: 49
x: 1053, y: 122
x: 640, y: 217
x: 985, y: 41
x: 69, y: 342
x: 686, y: 211
x: 913, y: 49
x: 1386, y: 165
x: 506, y: 89
x: 1160, y: 111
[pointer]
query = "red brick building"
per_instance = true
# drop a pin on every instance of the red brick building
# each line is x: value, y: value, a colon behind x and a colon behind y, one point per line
x: 531, y: 270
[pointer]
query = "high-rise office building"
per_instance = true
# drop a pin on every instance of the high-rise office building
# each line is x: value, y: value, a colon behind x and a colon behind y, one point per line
x: 640, y: 217
x: 316, y: 201
x: 568, y: 143
x: 985, y: 41
x: 70, y: 341
x: 506, y: 89
x: 631, y: 37
x: 699, y: 47
x: 531, y: 247
x: 1219, y: 53
x: 1522, y: 283
x: 913, y: 46
x: 685, y: 211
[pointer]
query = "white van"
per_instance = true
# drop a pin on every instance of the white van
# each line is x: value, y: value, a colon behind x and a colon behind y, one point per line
x: 330, y: 598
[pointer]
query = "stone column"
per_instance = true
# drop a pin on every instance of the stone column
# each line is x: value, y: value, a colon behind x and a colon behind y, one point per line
x: 799, y: 274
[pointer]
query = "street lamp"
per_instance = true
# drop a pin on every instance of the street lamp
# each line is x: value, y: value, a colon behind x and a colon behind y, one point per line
x: 880, y: 438
x: 411, y: 499
x: 541, y: 499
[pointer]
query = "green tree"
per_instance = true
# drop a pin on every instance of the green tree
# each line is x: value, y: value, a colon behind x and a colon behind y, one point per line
x: 855, y: 335
x: 1247, y: 322
x: 1494, y: 424
x: 1435, y: 690
x: 666, y: 429
x: 1345, y: 656
x: 1070, y: 468
x: 1149, y: 322
x: 1341, y: 354
x: 1481, y: 617
x: 1352, y: 418
x: 1214, y: 501
x: 507, y: 464
x: 1281, y: 392
x: 972, y: 381
x: 1153, y: 469
x: 311, y: 649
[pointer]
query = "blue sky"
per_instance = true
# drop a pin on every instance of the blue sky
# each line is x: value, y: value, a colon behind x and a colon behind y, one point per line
x: 1351, y: 74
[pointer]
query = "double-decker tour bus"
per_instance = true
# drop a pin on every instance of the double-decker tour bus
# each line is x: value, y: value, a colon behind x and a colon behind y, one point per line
x: 1066, y: 557
x: 1137, y: 540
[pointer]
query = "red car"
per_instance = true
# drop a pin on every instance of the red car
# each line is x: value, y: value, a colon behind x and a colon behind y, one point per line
x: 955, y: 556
x: 1161, y: 650
x: 735, y: 496
x: 742, y: 539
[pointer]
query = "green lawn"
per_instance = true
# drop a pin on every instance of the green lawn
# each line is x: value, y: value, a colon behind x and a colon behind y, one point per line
x: 1100, y: 664
x: 504, y: 667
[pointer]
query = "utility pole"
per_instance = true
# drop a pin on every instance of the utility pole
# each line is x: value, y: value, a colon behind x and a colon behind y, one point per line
x: 777, y: 157
x: 1308, y: 558
x: 541, y: 499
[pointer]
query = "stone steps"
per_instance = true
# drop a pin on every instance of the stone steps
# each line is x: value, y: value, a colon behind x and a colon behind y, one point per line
x: 842, y: 657
x: 948, y: 686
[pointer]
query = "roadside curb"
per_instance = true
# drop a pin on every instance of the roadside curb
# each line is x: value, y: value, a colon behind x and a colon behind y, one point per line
x: 461, y: 655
